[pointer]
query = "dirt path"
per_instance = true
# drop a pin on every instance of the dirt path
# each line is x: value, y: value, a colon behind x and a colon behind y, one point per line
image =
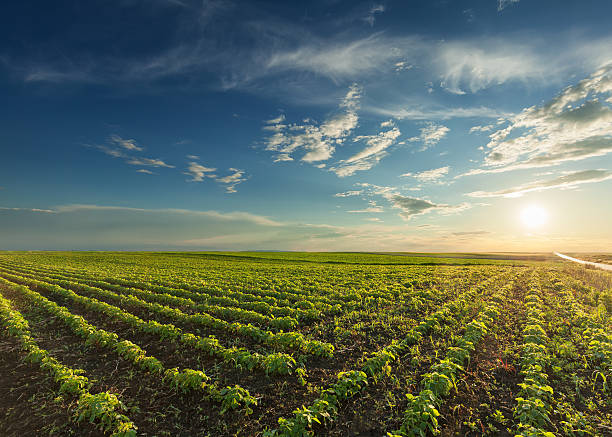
x: 598, y: 265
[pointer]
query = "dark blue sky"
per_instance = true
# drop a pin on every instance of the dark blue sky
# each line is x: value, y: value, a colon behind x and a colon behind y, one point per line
x: 329, y: 125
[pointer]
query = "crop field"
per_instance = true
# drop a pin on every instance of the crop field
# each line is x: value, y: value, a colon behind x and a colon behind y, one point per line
x: 290, y: 344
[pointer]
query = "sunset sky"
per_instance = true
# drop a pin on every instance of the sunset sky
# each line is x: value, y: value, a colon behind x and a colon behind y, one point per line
x: 332, y: 125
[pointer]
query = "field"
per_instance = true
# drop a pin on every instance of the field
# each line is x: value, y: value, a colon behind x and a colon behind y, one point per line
x: 296, y: 344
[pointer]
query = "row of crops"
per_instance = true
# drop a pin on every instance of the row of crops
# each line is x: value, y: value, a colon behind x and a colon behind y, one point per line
x: 227, y: 344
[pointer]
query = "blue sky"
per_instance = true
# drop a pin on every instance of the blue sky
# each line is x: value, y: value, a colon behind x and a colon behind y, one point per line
x: 422, y: 125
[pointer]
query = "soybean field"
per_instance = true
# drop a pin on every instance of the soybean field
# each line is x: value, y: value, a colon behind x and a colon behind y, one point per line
x: 299, y: 344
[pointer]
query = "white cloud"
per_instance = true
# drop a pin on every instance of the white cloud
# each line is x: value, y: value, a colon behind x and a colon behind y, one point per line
x: 388, y: 123
x: 126, y: 144
x: 430, y: 135
x: 230, y: 181
x: 424, y: 111
x: 368, y: 209
x: 349, y: 193
x: 376, y: 144
x: 567, y: 181
x: 368, y: 157
x: 486, y: 128
x: 372, y: 208
x: 402, y: 66
x: 47, y: 211
x: 341, y: 59
x: 145, y: 171
x: 433, y: 175
x: 502, y: 4
x: 198, y: 171
x: 282, y: 157
x: 472, y: 66
x: 572, y: 126
x: 149, y: 162
x: 276, y: 120
x: 317, y: 141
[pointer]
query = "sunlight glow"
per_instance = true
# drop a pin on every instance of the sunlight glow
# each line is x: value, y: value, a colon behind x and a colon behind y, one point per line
x: 534, y: 216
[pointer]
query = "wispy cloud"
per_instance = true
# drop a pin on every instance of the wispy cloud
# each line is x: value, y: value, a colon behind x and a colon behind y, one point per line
x: 46, y: 211
x: 430, y: 135
x: 341, y: 59
x: 567, y: 181
x: 198, y: 172
x: 503, y: 4
x: 230, y: 181
x: 144, y: 171
x: 375, y: 9
x: 148, y: 162
x: 367, y: 158
x: 433, y: 175
x: 125, y: 144
x: 349, y: 193
x: 118, y: 147
x: 373, y: 207
x: 422, y: 111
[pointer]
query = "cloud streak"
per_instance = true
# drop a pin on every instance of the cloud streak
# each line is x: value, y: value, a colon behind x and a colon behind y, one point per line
x: 567, y: 181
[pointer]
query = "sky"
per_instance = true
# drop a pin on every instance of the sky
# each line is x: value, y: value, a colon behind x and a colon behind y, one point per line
x: 327, y: 125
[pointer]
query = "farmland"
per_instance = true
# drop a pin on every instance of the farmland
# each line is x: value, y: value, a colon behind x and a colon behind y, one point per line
x: 293, y: 344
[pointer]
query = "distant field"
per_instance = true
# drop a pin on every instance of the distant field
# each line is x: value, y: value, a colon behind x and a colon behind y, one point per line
x: 404, y: 258
x: 296, y: 344
x: 604, y: 258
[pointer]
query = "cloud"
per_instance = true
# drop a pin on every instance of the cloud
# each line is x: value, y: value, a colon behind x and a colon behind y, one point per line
x: 149, y: 162
x: 402, y: 66
x: 502, y: 4
x: 572, y: 126
x: 470, y: 233
x: 230, y: 181
x: 93, y: 227
x: 372, y: 208
x: 349, y: 193
x: 425, y: 111
x: 367, y: 158
x: 368, y: 209
x: 375, y: 9
x: 276, y: 120
x: 413, y: 206
x: 47, y: 211
x: 198, y: 171
x: 341, y: 59
x: 409, y: 206
x: 430, y: 135
x: 566, y: 181
x: 475, y: 65
x: 317, y: 141
x: 486, y: 128
x: 117, y: 147
x: 433, y: 175
x: 126, y: 144
x: 145, y: 171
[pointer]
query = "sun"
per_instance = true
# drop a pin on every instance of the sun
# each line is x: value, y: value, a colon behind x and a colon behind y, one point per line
x: 534, y: 216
